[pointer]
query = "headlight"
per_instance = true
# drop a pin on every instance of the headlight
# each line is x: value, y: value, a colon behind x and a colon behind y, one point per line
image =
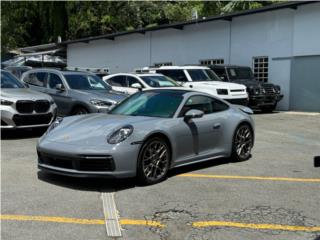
x: 222, y: 91
x: 55, y: 124
x: 100, y: 103
x: 277, y: 88
x: 51, y: 102
x: 120, y: 135
x: 6, y: 102
x: 257, y: 91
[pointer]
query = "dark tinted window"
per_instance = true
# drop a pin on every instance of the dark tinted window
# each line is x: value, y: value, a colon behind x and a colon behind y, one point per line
x: 240, y: 73
x: 159, y: 81
x: 36, y: 79
x: 203, y: 103
x: 221, y: 73
x: 131, y: 80
x: 85, y: 82
x: 151, y: 104
x: 118, y: 81
x: 54, y: 79
x: 9, y: 81
x: 177, y: 75
x: 199, y: 75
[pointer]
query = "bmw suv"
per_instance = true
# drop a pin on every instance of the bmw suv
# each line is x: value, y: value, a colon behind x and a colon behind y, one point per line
x: 74, y: 92
x: 22, y: 107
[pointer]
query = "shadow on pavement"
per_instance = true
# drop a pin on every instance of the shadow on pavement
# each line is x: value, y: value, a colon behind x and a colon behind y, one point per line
x: 114, y: 184
x: 259, y: 112
x: 21, y: 133
x: 87, y: 184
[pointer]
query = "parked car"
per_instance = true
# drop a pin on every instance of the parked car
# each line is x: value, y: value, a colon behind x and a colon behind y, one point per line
x: 147, y: 134
x: 205, y: 80
x: 17, y: 70
x: 131, y: 82
x: 74, y: 92
x: 22, y: 107
x: 263, y: 96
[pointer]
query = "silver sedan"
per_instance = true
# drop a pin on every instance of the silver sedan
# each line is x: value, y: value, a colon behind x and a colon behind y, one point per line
x: 146, y: 135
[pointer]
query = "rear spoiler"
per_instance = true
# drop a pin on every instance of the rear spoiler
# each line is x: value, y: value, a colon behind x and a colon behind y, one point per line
x: 244, y: 109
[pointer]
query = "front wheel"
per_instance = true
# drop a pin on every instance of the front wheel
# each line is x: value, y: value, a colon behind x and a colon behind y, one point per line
x: 242, y: 143
x: 153, y: 161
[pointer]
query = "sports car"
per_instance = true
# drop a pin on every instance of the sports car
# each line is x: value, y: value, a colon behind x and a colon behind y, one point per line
x: 147, y: 134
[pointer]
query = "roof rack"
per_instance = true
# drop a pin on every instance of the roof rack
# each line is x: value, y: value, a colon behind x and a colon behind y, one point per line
x: 92, y: 70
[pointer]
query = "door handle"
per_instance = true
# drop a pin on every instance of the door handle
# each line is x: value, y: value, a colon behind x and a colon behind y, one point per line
x: 216, y: 126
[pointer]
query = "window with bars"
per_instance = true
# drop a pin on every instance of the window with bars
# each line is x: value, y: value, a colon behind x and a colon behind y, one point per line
x: 163, y: 64
x: 261, y: 68
x: 212, y: 61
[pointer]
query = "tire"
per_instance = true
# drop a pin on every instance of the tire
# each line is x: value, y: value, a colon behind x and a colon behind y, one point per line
x: 242, y: 143
x: 80, y: 110
x: 268, y: 109
x: 153, y: 170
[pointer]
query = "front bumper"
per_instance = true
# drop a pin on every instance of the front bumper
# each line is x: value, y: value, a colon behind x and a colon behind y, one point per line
x: 239, y: 101
x: 110, y: 161
x: 11, y: 119
x: 264, y: 100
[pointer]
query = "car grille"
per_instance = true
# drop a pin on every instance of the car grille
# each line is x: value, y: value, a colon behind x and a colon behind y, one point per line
x: 27, y: 106
x: 81, y: 162
x: 237, y: 90
x: 27, y: 120
x: 239, y: 101
x: 268, y: 88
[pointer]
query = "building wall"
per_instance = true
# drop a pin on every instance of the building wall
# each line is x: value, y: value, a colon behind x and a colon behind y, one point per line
x: 280, y: 35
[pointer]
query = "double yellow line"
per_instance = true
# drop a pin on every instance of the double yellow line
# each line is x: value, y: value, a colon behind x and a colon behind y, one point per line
x: 159, y: 224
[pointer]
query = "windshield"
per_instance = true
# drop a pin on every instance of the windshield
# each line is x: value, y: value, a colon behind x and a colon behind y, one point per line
x: 240, y: 73
x: 85, y: 82
x: 159, y: 81
x: 199, y: 75
x: 150, y: 104
x: 9, y: 81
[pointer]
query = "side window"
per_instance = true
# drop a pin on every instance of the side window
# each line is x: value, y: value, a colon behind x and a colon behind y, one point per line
x: 218, y: 106
x: 132, y: 80
x: 117, y: 81
x: 221, y: 73
x: 206, y: 104
x: 201, y: 103
x: 36, y: 79
x: 177, y: 75
x: 54, y: 79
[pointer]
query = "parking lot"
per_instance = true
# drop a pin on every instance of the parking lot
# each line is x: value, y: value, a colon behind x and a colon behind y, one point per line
x: 273, y: 195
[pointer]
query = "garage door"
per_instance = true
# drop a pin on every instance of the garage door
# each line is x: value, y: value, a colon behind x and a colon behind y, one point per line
x: 305, y: 84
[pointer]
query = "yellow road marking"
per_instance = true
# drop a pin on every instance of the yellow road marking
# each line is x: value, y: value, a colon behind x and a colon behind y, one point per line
x: 256, y: 226
x: 78, y: 220
x: 196, y: 175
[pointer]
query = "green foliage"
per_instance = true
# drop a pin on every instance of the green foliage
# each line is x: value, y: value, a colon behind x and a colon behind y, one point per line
x: 26, y: 23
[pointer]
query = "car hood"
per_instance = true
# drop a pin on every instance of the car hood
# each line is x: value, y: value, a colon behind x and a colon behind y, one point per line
x: 248, y: 82
x: 218, y: 84
x: 104, y: 94
x: 23, y: 94
x: 91, y: 129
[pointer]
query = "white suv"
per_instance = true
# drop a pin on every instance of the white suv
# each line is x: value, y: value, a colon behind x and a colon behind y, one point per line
x: 203, y: 79
x: 130, y: 83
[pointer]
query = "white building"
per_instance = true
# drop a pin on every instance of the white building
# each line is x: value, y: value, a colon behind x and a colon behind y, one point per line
x: 283, y: 38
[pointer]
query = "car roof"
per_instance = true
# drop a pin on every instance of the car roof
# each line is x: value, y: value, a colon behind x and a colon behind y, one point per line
x: 228, y: 65
x: 64, y: 72
x: 183, y: 67
x: 136, y: 74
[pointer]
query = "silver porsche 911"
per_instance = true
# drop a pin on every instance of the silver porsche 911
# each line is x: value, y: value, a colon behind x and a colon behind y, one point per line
x: 146, y: 135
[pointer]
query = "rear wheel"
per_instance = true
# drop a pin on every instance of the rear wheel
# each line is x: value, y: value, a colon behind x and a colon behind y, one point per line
x: 242, y: 143
x: 80, y: 110
x: 153, y: 161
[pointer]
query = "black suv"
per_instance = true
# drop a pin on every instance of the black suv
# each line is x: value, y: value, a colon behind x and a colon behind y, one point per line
x: 263, y: 96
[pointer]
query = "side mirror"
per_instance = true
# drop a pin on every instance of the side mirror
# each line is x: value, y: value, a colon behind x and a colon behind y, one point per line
x: 222, y: 78
x: 136, y: 85
x: 60, y: 87
x: 193, y: 113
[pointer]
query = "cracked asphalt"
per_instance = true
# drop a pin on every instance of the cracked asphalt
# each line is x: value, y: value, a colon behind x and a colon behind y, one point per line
x: 285, y: 147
